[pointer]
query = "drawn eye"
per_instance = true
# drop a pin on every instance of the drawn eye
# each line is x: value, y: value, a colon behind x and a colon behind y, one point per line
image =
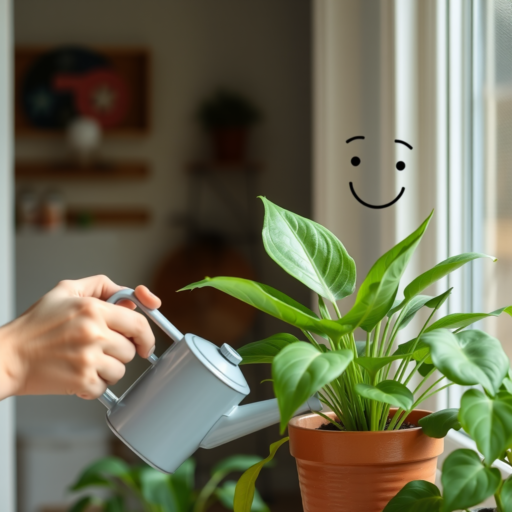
x: 400, y: 165
x: 355, y: 161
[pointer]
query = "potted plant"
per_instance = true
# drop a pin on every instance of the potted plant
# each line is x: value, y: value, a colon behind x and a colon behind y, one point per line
x: 144, y: 489
x: 467, y: 478
x: 358, y: 456
x: 227, y: 117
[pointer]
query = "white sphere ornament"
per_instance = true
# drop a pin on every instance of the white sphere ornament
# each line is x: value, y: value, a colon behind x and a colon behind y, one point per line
x: 84, y: 137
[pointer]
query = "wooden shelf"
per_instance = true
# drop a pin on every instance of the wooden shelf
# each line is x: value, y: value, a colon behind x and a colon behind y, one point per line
x: 221, y: 167
x: 103, y: 217
x: 71, y: 172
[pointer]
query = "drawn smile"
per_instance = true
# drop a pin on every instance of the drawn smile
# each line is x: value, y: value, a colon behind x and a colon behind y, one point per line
x: 376, y: 206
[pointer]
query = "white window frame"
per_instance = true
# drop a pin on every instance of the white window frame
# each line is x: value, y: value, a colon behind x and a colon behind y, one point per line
x: 7, y: 426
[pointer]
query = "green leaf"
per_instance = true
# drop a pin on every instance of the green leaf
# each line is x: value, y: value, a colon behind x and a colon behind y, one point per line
x: 438, y: 424
x: 324, y: 312
x: 506, y: 385
x: 234, y: 463
x: 389, y: 392
x: 425, y: 368
x: 156, y: 489
x: 309, y: 252
x: 488, y: 421
x: 82, y: 504
x: 506, y: 495
x: 265, y: 350
x: 373, y: 364
x: 438, y: 301
x: 420, y: 351
x: 226, y: 495
x: 361, y: 348
x: 466, y: 481
x: 100, y: 473
x: 441, y: 270
x: 468, y: 357
x: 378, y: 291
x: 271, y: 301
x: 244, y: 492
x: 416, y: 496
x: 461, y: 320
x: 182, y: 485
x: 114, y: 504
x: 300, y: 370
x: 411, y: 308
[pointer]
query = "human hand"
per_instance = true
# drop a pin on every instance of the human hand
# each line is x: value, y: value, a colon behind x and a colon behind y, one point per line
x: 72, y: 342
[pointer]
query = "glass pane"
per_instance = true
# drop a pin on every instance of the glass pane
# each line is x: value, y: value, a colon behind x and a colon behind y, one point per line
x: 497, y: 284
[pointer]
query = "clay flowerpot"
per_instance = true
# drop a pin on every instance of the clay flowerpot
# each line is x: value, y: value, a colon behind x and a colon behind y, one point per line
x: 359, y: 471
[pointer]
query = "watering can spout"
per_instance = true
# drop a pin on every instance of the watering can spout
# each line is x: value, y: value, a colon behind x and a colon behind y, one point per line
x: 246, y: 419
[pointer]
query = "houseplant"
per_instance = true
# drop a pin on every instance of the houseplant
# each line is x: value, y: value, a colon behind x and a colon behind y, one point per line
x: 355, y: 379
x: 227, y: 117
x: 467, y: 478
x: 144, y: 489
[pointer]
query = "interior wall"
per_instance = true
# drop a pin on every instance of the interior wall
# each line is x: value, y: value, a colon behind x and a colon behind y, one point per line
x: 260, y: 48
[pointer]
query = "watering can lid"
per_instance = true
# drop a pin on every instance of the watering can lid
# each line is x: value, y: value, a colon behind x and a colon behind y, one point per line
x: 222, y: 362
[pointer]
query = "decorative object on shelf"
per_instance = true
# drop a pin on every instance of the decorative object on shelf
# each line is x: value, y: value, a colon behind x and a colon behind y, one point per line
x: 154, y: 491
x: 227, y: 117
x: 214, y: 315
x: 27, y: 210
x: 52, y: 216
x: 84, y: 138
x: 55, y: 86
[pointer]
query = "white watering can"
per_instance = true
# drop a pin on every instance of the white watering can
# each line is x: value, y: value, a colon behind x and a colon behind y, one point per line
x: 187, y: 399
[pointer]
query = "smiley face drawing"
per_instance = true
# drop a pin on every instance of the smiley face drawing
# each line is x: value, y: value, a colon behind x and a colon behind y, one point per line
x: 400, y: 166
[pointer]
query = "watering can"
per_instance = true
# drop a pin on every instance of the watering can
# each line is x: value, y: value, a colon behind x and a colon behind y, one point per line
x: 187, y: 399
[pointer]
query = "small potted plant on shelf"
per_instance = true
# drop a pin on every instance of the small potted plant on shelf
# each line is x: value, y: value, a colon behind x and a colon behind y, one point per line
x: 362, y: 452
x: 467, y: 478
x: 227, y: 117
x: 144, y: 489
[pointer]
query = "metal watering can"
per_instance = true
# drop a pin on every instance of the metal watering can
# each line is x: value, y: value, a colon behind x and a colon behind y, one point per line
x: 187, y: 399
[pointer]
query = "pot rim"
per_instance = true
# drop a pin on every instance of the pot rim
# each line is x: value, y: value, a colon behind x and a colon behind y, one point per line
x: 293, y: 423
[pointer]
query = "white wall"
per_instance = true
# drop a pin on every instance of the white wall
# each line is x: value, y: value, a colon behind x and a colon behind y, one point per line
x: 7, y: 441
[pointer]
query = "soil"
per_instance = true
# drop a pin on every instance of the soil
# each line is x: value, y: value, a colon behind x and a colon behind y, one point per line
x: 330, y: 426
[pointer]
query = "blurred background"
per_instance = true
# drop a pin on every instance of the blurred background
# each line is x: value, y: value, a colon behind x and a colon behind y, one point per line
x: 144, y: 133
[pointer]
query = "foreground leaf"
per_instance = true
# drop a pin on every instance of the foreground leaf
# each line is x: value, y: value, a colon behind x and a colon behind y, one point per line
x: 441, y: 270
x: 300, y: 370
x: 378, y: 291
x: 182, y: 485
x: 100, y: 473
x: 466, y: 481
x: 244, y: 492
x: 265, y: 350
x: 462, y: 320
x: 226, y: 495
x: 373, y: 364
x: 271, y: 301
x: 468, y: 357
x: 389, y: 392
x: 156, y: 489
x: 83, y: 504
x: 438, y: 424
x: 488, y: 421
x: 506, y: 495
x: 416, y: 496
x: 309, y: 252
x: 411, y: 308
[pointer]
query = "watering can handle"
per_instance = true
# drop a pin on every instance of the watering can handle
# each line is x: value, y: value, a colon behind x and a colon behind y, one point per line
x: 108, y: 399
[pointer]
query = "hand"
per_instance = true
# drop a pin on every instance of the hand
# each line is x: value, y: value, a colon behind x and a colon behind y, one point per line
x: 72, y: 342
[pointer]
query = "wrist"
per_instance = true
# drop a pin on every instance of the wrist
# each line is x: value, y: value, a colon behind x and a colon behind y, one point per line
x: 10, y: 368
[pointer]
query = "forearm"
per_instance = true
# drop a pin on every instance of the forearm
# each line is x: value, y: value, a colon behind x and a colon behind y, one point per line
x: 8, y: 363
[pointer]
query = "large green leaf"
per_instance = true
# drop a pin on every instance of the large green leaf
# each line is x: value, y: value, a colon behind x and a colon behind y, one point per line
x: 468, y: 357
x: 439, y: 423
x: 265, y: 350
x: 466, y: 481
x: 101, y: 472
x: 244, y: 492
x: 156, y: 489
x: 115, y: 504
x: 182, y: 484
x: 226, y: 495
x: 309, y: 252
x: 506, y: 495
x: 420, y: 350
x: 378, y: 291
x: 442, y: 269
x: 300, y: 370
x: 416, y: 496
x: 83, y: 504
x: 389, y: 392
x: 272, y: 302
x: 488, y: 421
x: 411, y: 308
x: 461, y: 320
x: 373, y: 364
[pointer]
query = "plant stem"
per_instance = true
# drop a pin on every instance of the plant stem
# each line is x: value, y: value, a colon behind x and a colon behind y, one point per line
x: 383, y: 339
x: 376, y: 339
x: 207, y: 491
x: 367, y: 351
x: 416, y: 368
x: 336, y: 309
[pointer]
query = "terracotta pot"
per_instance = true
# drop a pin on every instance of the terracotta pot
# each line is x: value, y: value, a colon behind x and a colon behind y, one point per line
x: 230, y: 144
x: 359, y: 471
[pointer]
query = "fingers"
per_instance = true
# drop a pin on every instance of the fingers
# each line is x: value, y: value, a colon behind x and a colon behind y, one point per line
x: 119, y: 347
x: 110, y: 370
x: 147, y: 298
x: 131, y: 325
x: 99, y: 287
